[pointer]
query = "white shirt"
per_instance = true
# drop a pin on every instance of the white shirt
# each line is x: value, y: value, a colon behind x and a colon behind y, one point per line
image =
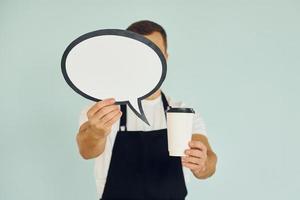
x: 154, y: 112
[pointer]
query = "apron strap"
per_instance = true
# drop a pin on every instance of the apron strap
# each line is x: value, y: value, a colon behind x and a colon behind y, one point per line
x: 123, y: 119
x: 165, y: 103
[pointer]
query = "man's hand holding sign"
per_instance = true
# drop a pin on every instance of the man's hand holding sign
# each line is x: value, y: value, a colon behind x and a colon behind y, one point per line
x: 93, y: 133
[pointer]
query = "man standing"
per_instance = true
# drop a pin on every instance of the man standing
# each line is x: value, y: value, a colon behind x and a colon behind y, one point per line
x: 132, y: 160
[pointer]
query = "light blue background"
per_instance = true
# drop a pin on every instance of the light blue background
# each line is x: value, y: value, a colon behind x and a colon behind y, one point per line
x: 237, y: 62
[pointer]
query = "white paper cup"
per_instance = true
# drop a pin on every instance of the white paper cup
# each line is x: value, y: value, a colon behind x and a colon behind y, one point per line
x: 179, y: 124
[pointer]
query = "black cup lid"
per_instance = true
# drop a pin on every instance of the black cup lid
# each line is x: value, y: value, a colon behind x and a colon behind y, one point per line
x: 180, y: 110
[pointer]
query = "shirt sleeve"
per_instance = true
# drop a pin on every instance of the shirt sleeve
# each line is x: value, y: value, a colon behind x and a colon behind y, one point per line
x: 198, y: 124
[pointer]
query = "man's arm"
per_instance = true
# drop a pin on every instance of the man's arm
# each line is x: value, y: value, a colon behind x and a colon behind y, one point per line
x: 92, y: 135
x: 200, y: 158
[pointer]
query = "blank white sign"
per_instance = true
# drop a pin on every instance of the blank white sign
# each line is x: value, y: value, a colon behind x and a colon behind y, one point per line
x: 114, y: 63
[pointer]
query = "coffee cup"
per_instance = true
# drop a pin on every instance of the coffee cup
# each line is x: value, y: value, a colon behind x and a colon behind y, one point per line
x: 179, y: 126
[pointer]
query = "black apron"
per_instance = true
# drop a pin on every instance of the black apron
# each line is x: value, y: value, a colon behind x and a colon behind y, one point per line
x: 141, y: 168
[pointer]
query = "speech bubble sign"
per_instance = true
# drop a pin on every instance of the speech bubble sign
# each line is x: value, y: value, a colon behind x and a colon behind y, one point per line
x: 114, y: 63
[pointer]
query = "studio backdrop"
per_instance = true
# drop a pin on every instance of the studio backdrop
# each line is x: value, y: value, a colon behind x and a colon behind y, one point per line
x: 236, y: 62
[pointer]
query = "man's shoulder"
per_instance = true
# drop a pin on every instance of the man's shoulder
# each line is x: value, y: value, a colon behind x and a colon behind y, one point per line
x: 172, y: 102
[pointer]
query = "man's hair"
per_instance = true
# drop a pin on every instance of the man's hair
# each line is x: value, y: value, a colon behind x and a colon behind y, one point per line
x: 146, y: 27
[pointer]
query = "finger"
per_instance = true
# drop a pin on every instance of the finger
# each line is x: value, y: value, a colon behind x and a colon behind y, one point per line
x: 101, y: 124
x: 193, y: 160
x: 190, y: 165
x: 97, y: 106
x: 113, y: 120
x: 109, y: 116
x: 96, y: 119
x: 197, y: 145
x: 196, y: 153
x: 105, y: 111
